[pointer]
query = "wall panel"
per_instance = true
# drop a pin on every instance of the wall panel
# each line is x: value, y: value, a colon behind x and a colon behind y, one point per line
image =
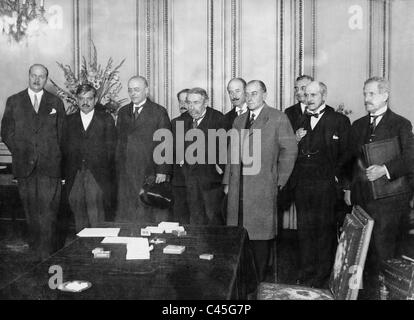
x: 401, y: 50
x: 54, y: 43
x: 340, y: 52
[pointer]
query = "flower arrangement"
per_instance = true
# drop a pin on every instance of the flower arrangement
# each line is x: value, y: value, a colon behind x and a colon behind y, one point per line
x: 341, y: 109
x: 105, y: 81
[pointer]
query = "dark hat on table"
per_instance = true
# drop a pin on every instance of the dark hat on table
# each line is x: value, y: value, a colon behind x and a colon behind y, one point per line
x: 157, y: 195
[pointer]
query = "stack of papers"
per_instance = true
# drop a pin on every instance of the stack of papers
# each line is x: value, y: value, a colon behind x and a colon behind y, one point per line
x: 99, y: 232
x: 168, y: 227
x: 138, y: 249
x: 172, y: 249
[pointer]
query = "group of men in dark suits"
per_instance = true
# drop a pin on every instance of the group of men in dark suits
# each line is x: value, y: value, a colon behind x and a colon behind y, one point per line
x: 306, y: 154
x: 330, y: 153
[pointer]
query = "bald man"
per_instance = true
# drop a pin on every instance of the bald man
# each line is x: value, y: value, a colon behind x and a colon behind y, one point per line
x: 32, y: 128
x: 136, y: 125
x: 322, y: 139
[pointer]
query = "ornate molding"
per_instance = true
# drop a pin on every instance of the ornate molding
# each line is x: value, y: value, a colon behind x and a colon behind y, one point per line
x: 210, y: 51
x: 89, y: 16
x: 281, y: 55
x: 314, y: 35
x: 300, y: 38
x: 148, y: 41
x: 76, y: 38
x: 166, y: 39
x: 387, y: 40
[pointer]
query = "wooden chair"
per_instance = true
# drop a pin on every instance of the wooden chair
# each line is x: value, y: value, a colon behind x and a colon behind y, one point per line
x: 346, y: 276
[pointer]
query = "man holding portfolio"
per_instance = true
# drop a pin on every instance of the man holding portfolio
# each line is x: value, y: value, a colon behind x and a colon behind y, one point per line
x: 372, y: 185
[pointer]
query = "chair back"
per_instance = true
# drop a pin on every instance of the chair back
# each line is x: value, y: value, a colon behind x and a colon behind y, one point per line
x: 351, y: 253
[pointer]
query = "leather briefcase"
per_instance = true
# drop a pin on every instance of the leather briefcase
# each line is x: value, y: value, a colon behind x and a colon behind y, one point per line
x: 397, y: 278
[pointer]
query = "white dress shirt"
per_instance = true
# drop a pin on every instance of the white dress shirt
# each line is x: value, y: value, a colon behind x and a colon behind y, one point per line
x: 87, y: 118
x: 201, y: 118
x: 379, y: 111
x: 137, y: 106
x: 303, y: 107
x: 242, y: 109
x: 256, y: 112
x: 313, y: 120
x: 32, y: 96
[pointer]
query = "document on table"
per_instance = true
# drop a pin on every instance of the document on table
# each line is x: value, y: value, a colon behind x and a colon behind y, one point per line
x: 137, y: 247
x: 99, y: 232
x: 120, y: 240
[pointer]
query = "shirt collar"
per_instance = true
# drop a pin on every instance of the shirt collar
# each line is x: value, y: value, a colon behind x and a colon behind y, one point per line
x: 256, y: 112
x: 243, y: 108
x: 303, y: 107
x: 202, y: 116
x: 32, y: 93
x: 380, y: 111
x: 140, y: 104
x: 87, y: 115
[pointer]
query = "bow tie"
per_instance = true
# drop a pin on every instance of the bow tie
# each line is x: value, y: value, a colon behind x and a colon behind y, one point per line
x: 316, y: 115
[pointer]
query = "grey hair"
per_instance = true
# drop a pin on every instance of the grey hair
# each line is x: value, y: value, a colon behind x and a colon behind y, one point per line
x: 199, y: 91
x: 383, y: 84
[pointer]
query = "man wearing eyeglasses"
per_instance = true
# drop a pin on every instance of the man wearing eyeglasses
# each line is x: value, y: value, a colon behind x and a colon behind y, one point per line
x: 252, y: 184
x: 322, y: 144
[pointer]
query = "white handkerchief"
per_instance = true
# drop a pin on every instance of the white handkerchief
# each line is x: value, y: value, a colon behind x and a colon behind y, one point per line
x: 53, y: 111
x: 335, y: 137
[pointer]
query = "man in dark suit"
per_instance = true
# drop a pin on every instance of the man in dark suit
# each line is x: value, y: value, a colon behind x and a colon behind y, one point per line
x: 381, y: 123
x: 295, y: 114
x: 180, y: 207
x: 202, y: 178
x: 136, y: 124
x: 89, y: 160
x: 296, y: 111
x: 323, y: 140
x: 236, y: 89
x: 32, y: 128
x: 252, y: 184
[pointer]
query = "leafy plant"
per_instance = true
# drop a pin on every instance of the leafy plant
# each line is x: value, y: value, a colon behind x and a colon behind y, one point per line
x: 106, y: 81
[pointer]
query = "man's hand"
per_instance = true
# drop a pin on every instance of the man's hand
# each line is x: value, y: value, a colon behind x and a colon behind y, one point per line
x: 226, y: 188
x: 160, y: 178
x: 300, y: 133
x: 347, y: 197
x: 218, y: 169
x: 375, y: 172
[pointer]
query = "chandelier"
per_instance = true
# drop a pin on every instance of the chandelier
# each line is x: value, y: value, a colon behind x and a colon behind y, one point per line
x: 18, y: 18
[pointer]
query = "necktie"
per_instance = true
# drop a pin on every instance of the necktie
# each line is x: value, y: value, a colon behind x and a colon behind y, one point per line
x: 136, y: 112
x: 36, y: 103
x: 239, y: 111
x: 373, y: 123
x: 195, y: 123
x: 251, y: 121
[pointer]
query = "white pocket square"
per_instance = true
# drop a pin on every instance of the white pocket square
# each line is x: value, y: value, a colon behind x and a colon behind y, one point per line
x: 335, y: 137
x: 53, y: 111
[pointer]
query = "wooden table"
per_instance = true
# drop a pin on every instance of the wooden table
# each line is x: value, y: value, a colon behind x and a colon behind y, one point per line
x: 230, y: 275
